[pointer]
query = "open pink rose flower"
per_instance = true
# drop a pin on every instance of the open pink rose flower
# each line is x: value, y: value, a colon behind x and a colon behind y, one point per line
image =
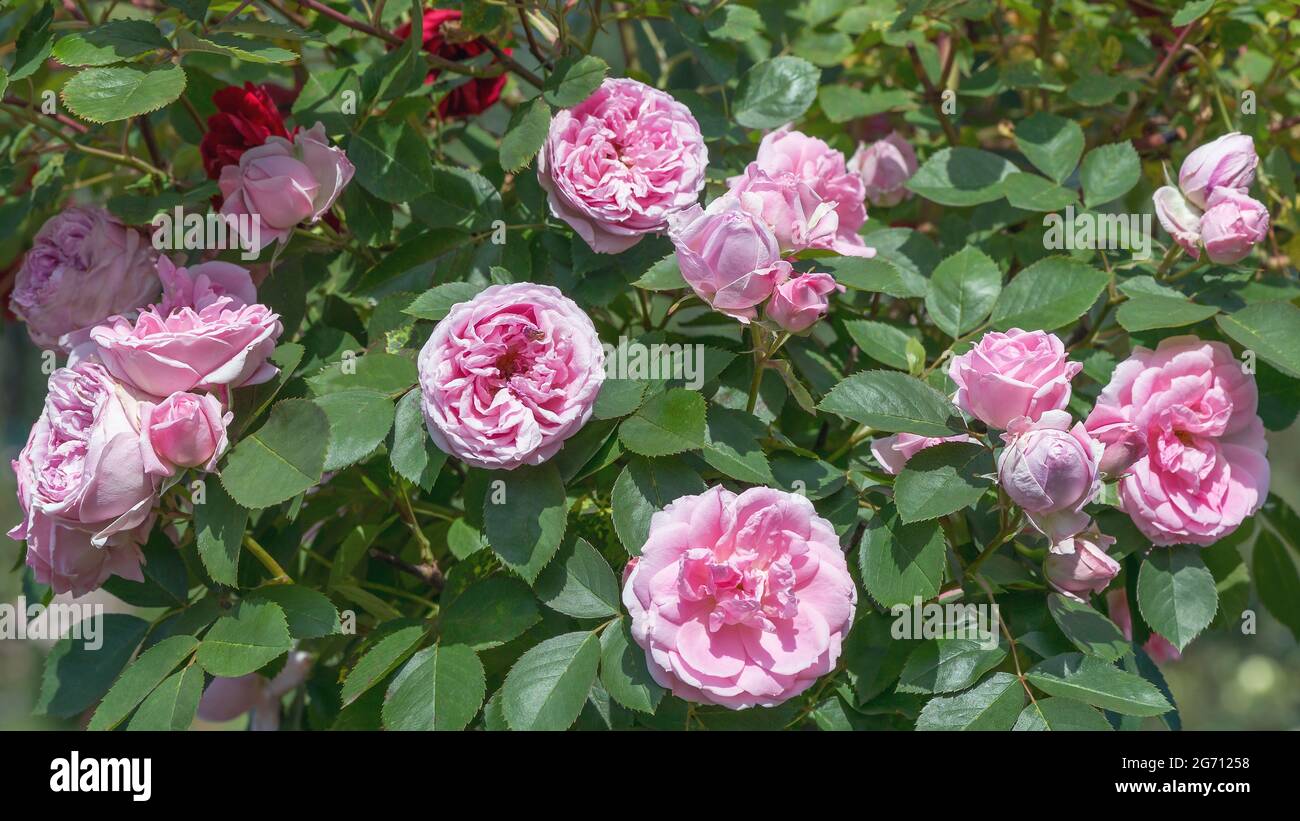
x: 198, y: 286
x: 740, y: 600
x: 797, y: 216
x: 1205, y: 469
x: 620, y: 163
x: 511, y: 374
x: 1051, y: 470
x: 893, y: 452
x: 1012, y: 374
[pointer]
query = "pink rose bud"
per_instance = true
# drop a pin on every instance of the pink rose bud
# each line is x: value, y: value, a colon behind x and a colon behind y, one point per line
x: 893, y: 452
x: 621, y: 163
x: 797, y: 216
x: 1228, y: 162
x: 798, y: 303
x: 1123, y: 450
x: 1233, y: 223
x: 885, y: 167
x: 1013, y: 374
x: 728, y: 256
x: 83, y: 267
x: 1180, y: 218
x: 1078, y: 566
x: 282, y: 183
x: 198, y: 286
x: 187, y: 430
x: 1050, y: 470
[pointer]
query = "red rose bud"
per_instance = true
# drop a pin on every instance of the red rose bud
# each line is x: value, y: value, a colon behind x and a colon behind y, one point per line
x: 245, y: 118
x: 441, y: 38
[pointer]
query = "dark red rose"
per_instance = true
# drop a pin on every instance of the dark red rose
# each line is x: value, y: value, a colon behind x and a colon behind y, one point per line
x: 473, y: 96
x: 245, y: 118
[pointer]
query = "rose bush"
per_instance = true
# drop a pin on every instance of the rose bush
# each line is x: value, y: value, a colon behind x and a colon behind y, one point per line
x: 641, y: 365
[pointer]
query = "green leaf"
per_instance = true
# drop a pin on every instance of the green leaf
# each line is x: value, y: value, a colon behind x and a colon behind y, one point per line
x: 1090, y: 631
x: 219, y: 532
x: 460, y: 198
x: 440, y: 688
x: 1271, y: 330
x: 310, y: 614
x: 105, y: 95
x: 525, y: 522
x: 1176, y: 593
x: 359, y: 421
x: 573, y: 80
x: 323, y: 99
x: 1191, y: 10
x: 412, y: 452
x: 664, y: 275
x: 736, y: 24
x: 775, y: 92
x: 1033, y: 193
x: 644, y: 487
x: 876, y: 275
x: 1152, y: 305
x: 437, y: 302
x: 112, y: 42
x: 993, y: 704
x: 232, y: 45
x: 1273, y: 568
x: 942, y: 479
x: 947, y: 665
x: 623, y: 670
x: 669, y: 423
x: 1099, y: 683
x: 961, y: 176
x: 172, y: 704
x: 548, y: 685
x: 733, y: 447
x: 33, y: 44
x: 382, y: 658
x: 1052, y: 143
x: 812, y: 478
x: 77, y: 675
x: 842, y: 104
x: 880, y: 341
x: 252, y: 636
x: 1109, y: 172
x: 1061, y: 714
x: 1049, y: 294
x: 140, y: 679
x: 383, y: 372
x: 525, y: 134
x: 901, y: 561
x: 579, y: 583
x: 196, y: 10
x: 962, y: 291
x: 392, y: 161
x: 285, y: 457
x: 489, y: 613
x: 895, y: 402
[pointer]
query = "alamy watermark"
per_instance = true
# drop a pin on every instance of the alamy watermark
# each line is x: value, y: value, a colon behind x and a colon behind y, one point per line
x: 658, y: 360
x: 178, y: 231
x: 84, y: 622
x: 918, y: 621
x: 1091, y: 231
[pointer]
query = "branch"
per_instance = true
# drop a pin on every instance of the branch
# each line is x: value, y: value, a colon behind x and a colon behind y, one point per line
x: 428, y: 572
x: 936, y: 101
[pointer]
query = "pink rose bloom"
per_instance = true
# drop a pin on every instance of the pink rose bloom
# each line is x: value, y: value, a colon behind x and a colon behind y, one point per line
x: 1228, y: 162
x: 283, y: 183
x: 1232, y: 225
x: 1205, y: 469
x: 1050, y: 470
x: 83, y: 267
x: 1079, y: 566
x: 1013, y: 374
x: 186, y: 430
x: 885, y: 167
x: 892, y: 452
x: 67, y: 560
x: 226, y: 699
x: 799, y: 302
x: 1159, y: 648
x: 198, y: 286
x: 740, y: 600
x: 510, y: 375
x: 798, y: 218
x: 1180, y: 218
x: 823, y: 169
x: 619, y: 164
x: 729, y: 256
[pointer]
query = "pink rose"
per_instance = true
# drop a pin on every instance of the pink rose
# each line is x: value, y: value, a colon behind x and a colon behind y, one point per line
x: 799, y: 302
x: 1232, y: 224
x: 186, y: 430
x: 510, y: 375
x: 66, y: 559
x: 885, y: 167
x: 282, y: 183
x: 83, y: 267
x: 892, y: 452
x: 798, y: 218
x: 1124, y: 449
x: 1205, y: 469
x: 226, y: 699
x: 740, y: 600
x: 1078, y: 566
x: 1180, y: 218
x: 1050, y: 470
x: 728, y: 256
x: 619, y: 164
x: 1013, y: 374
x: 1228, y: 162
x: 1159, y: 648
x: 198, y: 286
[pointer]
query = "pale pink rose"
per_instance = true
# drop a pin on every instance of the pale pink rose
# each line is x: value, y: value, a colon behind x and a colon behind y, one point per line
x: 1159, y: 648
x: 186, y: 430
x: 798, y: 218
x: 740, y: 601
x: 729, y: 256
x: 1050, y: 470
x: 1205, y: 468
x: 1233, y: 223
x: 1078, y: 566
x: 283, y: 183
x: 799, y: 302
x: 223, y: 344
x: 823, y: 169
x: 619, y: 164
x: 68, y: 561
x: 226, y: 699
x: 198, y: 286
x: 893, y: 452
x: 1228, y: 162
x: 83, y: 267
x: 1180, y: 218
x: 885, y: 167
x: 1013, y: 374
x: 510, y: 375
